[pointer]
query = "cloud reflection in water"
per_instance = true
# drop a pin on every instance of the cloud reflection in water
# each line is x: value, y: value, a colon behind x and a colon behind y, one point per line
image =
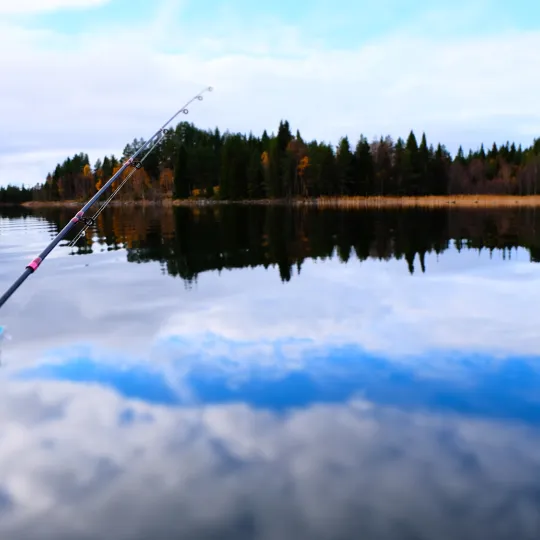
x: 79, y: 461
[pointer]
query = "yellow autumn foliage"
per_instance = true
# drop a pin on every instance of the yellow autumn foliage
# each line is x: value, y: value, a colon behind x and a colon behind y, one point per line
x: 303, y: 165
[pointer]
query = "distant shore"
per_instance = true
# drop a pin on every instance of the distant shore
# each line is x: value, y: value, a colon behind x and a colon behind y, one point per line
x: 428, y: 201
x: 80, y: 204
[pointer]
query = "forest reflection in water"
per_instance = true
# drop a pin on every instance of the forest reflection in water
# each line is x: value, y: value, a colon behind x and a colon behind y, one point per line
x: 190, y: 240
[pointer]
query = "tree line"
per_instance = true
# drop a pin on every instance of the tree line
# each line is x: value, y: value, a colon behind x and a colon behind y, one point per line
x: 15, y: 194
x: 192, y: 162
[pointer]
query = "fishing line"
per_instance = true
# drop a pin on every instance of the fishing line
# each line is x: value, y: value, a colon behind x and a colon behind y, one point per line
x: 79, y: 217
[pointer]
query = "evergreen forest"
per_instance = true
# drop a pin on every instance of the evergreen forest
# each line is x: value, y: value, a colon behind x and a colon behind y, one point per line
x: 196, y: 163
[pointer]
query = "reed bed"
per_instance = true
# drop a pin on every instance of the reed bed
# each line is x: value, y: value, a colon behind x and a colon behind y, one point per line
x: 429, y: 201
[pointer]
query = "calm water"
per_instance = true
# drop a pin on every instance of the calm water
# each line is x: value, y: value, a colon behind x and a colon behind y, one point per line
x: 254, y: 372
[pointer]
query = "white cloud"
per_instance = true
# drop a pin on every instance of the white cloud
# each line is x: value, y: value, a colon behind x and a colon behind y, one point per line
x: 201, y: 472
x: 25, y: 7
x: 101, y: 89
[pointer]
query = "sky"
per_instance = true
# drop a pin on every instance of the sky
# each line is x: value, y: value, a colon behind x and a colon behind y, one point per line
x: 92, y: 75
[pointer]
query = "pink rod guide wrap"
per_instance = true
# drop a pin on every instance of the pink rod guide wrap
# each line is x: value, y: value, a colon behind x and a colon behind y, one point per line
x: 34, y: 264
x: 77, y: 216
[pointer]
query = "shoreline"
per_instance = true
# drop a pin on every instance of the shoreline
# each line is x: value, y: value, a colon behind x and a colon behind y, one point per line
x: 80, y: 204
x: 353, y: 202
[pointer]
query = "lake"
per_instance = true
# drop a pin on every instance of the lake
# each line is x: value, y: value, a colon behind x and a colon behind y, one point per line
x: 260, y: 372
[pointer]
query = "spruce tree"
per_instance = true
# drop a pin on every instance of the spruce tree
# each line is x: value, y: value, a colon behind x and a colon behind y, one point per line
x: 344, y: 168
x: 364, y: 168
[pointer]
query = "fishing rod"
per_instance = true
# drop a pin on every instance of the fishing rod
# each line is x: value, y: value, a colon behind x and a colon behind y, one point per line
x: 80, y: 217
x: 92, y: 220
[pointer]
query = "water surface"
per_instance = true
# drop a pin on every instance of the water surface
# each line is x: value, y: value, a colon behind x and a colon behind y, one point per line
x: 258, y: 372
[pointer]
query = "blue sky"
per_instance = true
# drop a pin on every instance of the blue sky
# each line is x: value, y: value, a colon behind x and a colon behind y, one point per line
x: 93, y: 77
x: 347, y: 23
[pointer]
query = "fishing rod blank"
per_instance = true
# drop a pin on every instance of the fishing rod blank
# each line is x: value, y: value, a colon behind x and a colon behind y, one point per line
x: 79, y: 216
x: 92, y: 220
